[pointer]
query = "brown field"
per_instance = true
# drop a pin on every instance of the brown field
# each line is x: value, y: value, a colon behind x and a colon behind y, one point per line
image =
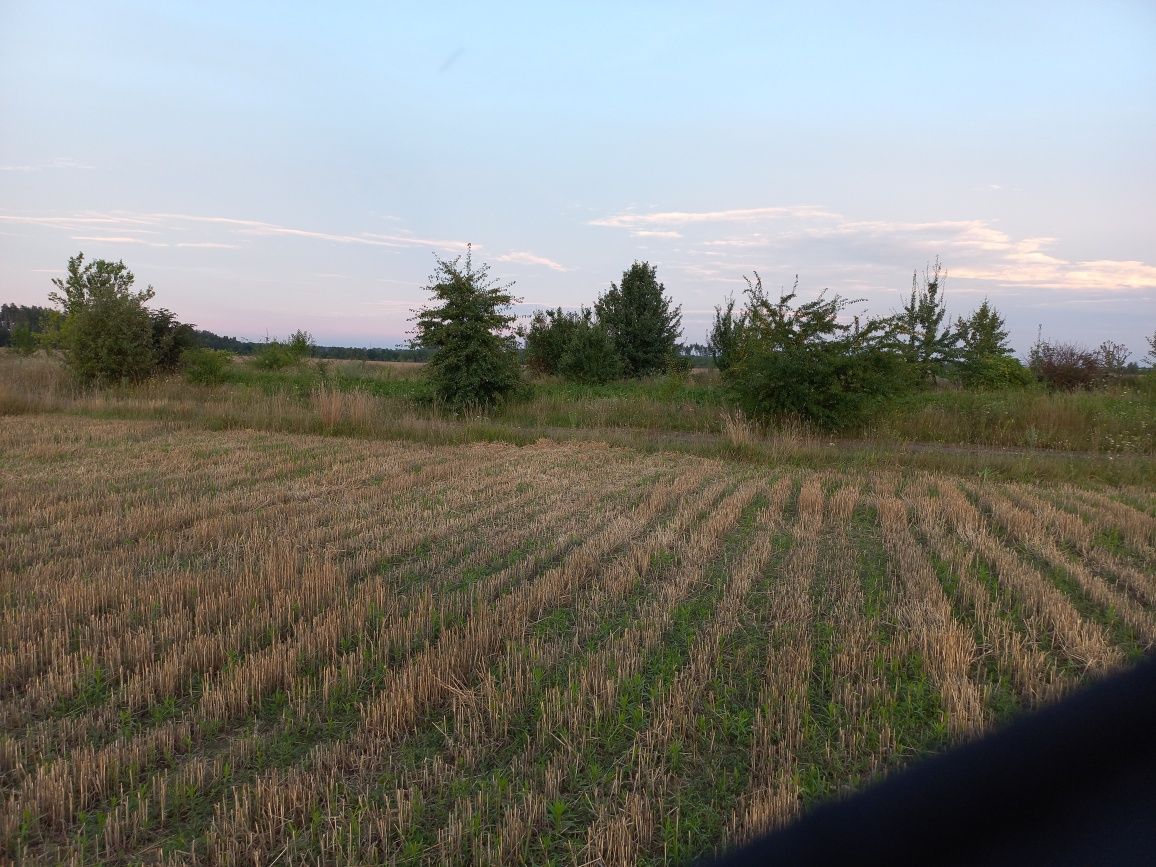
x: 257, y: 647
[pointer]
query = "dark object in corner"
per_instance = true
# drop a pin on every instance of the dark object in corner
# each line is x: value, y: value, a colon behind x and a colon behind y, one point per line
x: 1072, y: 784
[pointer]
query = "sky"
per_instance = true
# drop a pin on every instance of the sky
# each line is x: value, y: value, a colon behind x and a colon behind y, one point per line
x: 269, y: 167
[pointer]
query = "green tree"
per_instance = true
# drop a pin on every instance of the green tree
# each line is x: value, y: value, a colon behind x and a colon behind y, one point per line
x: 301, y: 344
x: 475, y: 354
x: 590, y: 356
x: 801, y: 361
x: 105, y: 330
x: 1151, y: 356
x: 640, y: 319
x: 928, y: 345
x: 985, y: 357
x: 726, y: 334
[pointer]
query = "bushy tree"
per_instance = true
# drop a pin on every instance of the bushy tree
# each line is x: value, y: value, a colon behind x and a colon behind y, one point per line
x: 985, y: 357
x: 105, y: 329
x: 640, y: 319
x: 726, y: 334
x: 475, y: 354
x: 547, y: 337
x: 927, y: 344
x: 1151, y: 356
x: 801, y: 361
x: 590, y: 356
x: 1113, y: 357
x: 300, y: 344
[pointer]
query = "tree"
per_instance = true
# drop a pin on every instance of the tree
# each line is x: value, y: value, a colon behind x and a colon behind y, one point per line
x: 475, y: 354
x: 985, y: 357
x: 801, y: 361
x: 639, y: 318
x: 1113, y: 357
x: 726, y: 334
x: 105, y: 330
x: 590, y: 356
x: 926, y: 345
x: 1151, y: 348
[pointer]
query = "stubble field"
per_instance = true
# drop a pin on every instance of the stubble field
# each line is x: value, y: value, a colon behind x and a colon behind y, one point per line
x: 246, y: 647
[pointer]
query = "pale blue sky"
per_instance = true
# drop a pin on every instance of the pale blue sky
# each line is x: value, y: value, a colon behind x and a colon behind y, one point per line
x: 274, y: 166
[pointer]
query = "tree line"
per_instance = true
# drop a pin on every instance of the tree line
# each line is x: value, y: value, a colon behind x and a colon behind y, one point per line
x: 778, y: 357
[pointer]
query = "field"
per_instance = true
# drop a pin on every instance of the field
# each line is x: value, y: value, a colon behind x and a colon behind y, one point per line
x: 252, y: 646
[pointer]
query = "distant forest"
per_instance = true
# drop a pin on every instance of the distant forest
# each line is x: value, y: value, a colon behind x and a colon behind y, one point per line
x: 35, y: 318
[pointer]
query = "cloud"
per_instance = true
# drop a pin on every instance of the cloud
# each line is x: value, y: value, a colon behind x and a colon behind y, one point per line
x: 164, y: 223
x: 209, y: 245
x: 524, y: 258
x: 58, y: 163
x: 686, y: 218
x: 974, y: 250
x: 113, y: 239
x: 653, y: 233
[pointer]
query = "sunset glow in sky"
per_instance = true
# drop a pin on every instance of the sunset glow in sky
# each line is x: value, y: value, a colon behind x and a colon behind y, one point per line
x: 268, y: 167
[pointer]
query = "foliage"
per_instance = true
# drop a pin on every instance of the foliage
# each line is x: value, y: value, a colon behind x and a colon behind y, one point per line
x: 105, y: 330
x: 1065, y: 366
x: 170, y: 339
x: 475, y: 355
x: 206, y: 366
x: 300, y: 344
x: 926, y: 344
x: 13, y: 316
x: 985, y: 357
x: 274, y: 355
x: 548, y: 337
x: 1113, y: 357
x: 802, y: 362
x: 23, y: 340
x: 726, y: 334
x: 1151, y: 356
x: 590, y: 356
x: 639, y: 317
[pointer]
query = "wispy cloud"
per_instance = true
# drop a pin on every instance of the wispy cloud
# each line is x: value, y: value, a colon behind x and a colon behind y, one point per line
x: 656, y: 233
x: 117, y: 239
x: 58, y: 163
x: 209, y: 245
x: 129, y: 224
x: 975, y: 250
x: 686, y: 218
x: 524, y: 258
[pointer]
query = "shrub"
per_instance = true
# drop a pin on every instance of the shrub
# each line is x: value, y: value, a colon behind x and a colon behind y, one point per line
x: 995, y: 372
x: 548, y: 337
x: 275, y: 355
x: 1065, y: 366
x: 590, y: 356
x: 206, y: 366
x: 801, y: 362
x: 23, y: 341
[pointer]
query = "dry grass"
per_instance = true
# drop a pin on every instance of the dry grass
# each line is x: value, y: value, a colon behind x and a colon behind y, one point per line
x: 253, y: 647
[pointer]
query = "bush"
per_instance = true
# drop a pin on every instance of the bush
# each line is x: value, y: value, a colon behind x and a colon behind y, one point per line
x: 802, y: 363
x: 548, y: 338
x: 275, y: 355
x: 206, y: 366
x: 1066, y: 366
x: 994, y: 372
x: 590, y: 356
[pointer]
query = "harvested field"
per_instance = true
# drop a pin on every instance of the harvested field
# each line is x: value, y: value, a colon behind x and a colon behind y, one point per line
x: 249, y: 647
